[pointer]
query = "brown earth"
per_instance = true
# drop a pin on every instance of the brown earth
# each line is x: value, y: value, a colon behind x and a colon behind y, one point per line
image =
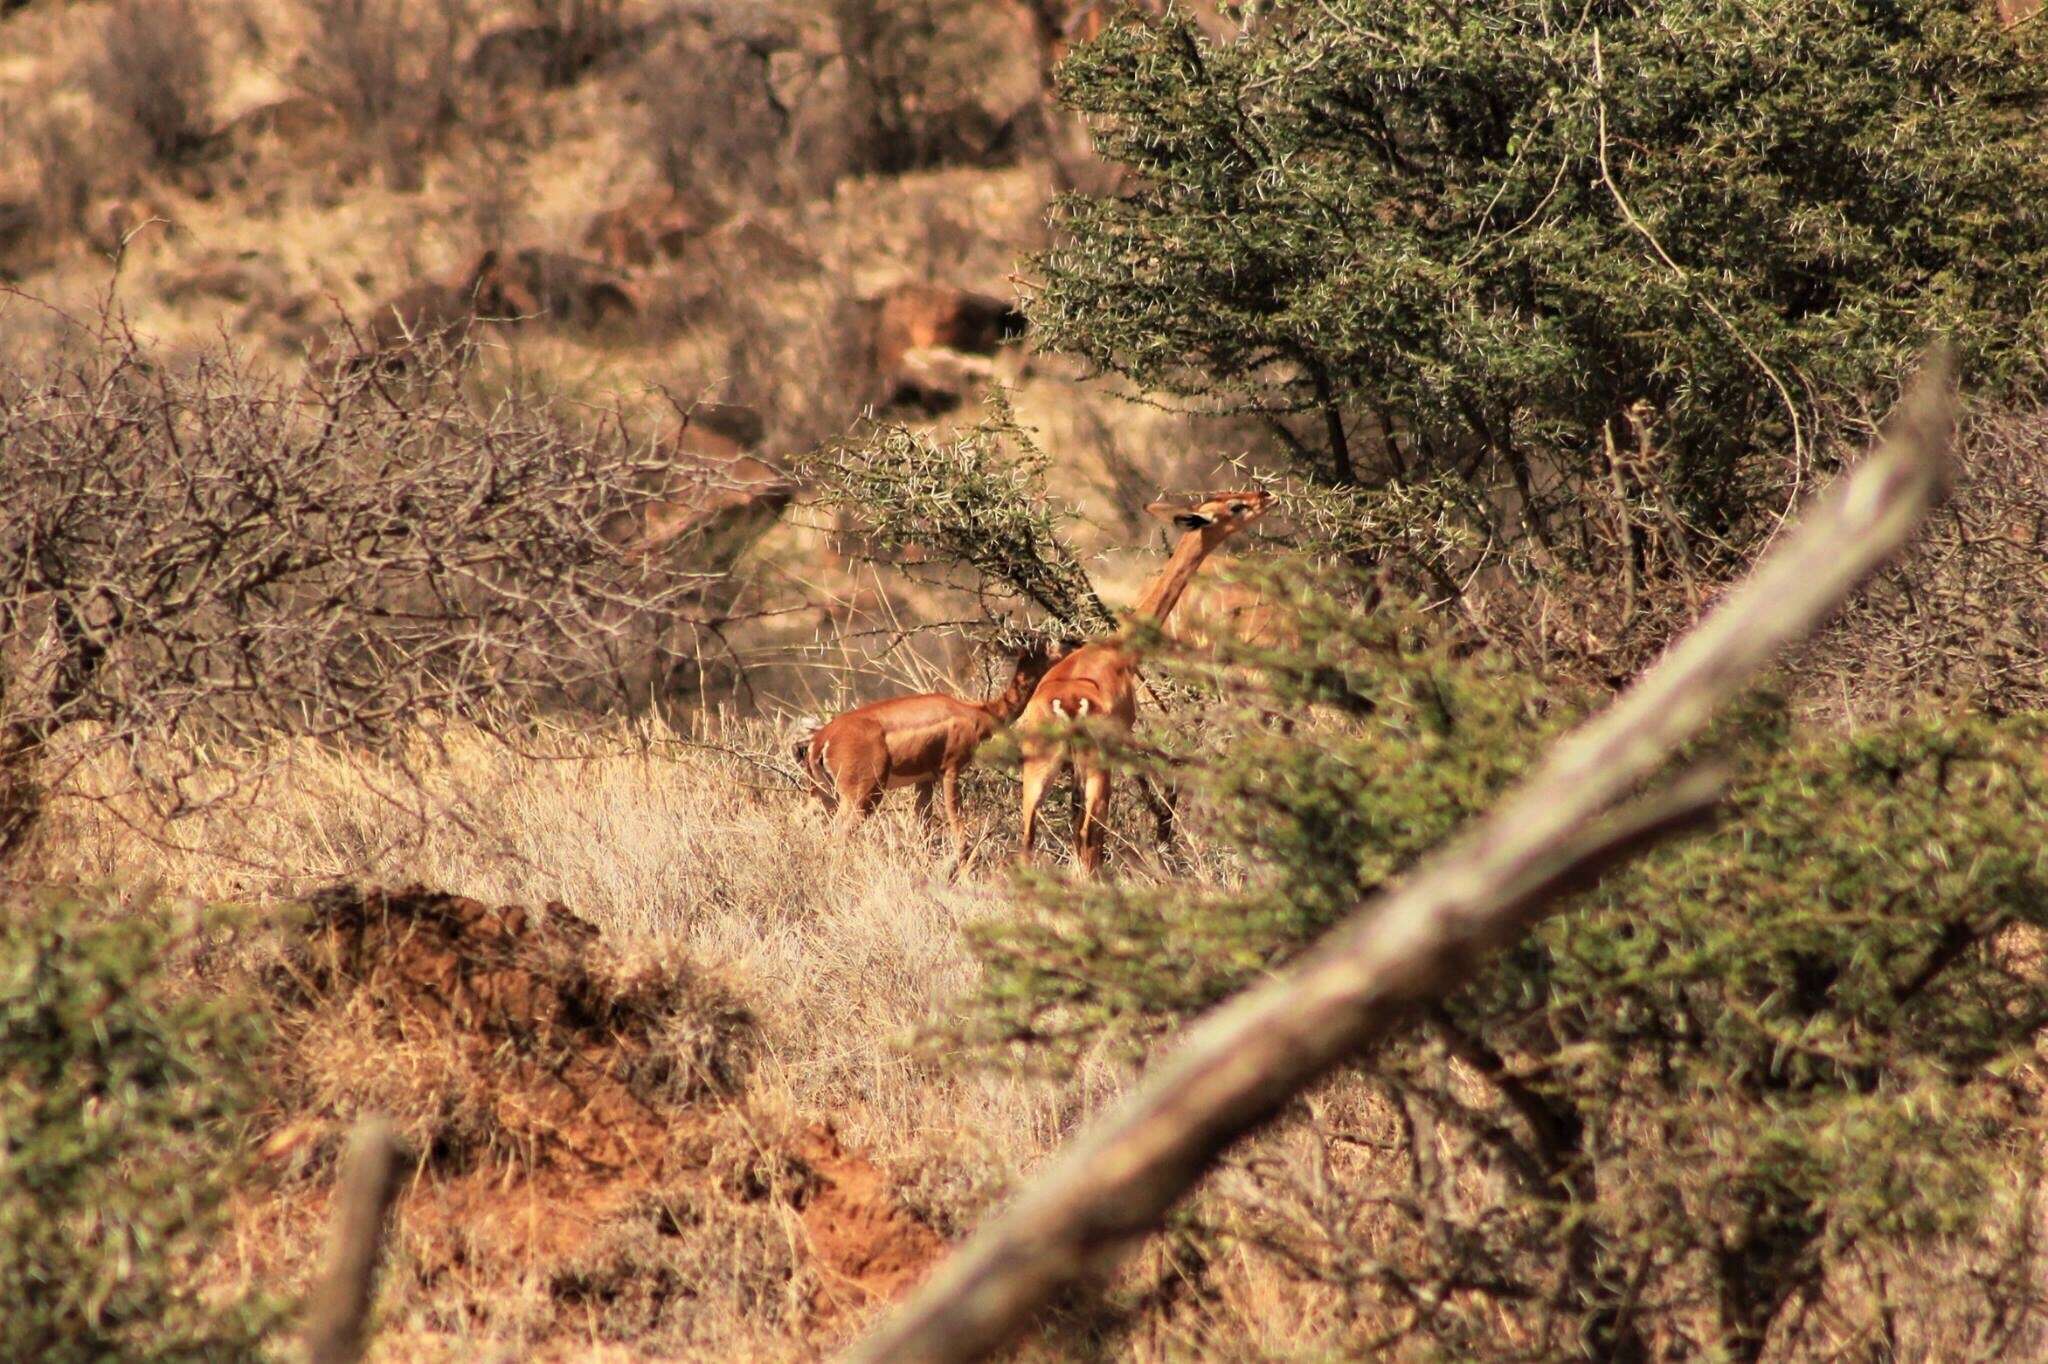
x: 874, y: 1249
x: 576, y: 1122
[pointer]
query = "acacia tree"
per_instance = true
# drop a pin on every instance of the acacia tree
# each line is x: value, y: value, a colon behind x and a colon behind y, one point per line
x: 1428, y: 240
x: 977, y: 501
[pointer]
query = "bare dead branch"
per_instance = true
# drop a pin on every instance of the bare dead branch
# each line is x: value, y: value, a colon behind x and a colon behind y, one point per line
x: 337, y: 1316
x: 1238, y: 1067
x: 194, y: 550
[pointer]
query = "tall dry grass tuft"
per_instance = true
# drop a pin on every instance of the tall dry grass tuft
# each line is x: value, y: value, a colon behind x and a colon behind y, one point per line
x: 153, y: 70
x: 843, y: 949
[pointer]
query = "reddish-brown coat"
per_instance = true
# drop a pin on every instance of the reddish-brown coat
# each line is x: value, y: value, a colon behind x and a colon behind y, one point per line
x: 1100, y: 680
x: 922, y: 741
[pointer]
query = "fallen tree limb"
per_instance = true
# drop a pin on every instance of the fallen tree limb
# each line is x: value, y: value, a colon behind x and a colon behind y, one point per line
x: 1236, y: 1068
x: 338, y: 1313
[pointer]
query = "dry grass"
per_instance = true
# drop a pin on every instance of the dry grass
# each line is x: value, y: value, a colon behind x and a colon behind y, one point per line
x: 702, y: 862
x: 702, y: 854
x: 840, y: 950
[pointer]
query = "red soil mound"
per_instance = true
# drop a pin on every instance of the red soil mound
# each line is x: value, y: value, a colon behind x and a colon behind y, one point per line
x: 496, y: 1029
x: 569, y: 1111
x: 869, y: 1246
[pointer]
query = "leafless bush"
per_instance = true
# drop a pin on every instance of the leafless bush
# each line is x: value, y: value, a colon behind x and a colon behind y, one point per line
x: 1965, y: 612
x: 153, y: 70
x: 916, y: 71
x: 714, y: 124
x: 200, y: 554
x: 389, y: 67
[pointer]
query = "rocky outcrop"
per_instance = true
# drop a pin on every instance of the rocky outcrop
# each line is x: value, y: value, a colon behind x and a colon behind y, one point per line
x: 644, y: 231
x: 930, y: 344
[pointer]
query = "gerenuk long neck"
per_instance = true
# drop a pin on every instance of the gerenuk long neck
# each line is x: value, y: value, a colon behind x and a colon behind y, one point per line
x: 1008, y: 704
x: 1163, y: 593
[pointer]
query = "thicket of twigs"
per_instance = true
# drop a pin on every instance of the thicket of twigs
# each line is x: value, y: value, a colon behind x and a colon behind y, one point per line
x: 199, y: 558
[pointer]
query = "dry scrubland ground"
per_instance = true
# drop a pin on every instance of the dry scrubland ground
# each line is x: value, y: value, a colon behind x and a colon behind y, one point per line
x: 811, y: 1161
x: 759, y: 1215
x: 693, y: 1120
x: 799, y: 1158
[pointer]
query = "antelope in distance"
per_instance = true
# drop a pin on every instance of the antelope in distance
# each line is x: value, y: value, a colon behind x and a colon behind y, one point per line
x: 1100, y: 679
x: 922, y: 741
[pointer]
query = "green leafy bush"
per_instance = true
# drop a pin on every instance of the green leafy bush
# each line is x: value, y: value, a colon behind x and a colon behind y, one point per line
x: 1431, y: 239
x: 119, y: 1094
x: 1743, y: 1065
x: 976, y: 500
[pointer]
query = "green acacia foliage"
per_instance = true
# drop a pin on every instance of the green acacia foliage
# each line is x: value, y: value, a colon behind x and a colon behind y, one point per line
x: 1394, y: 215
x: 976, y: 499
x: 1745, y: 1063
x: 118, y: 1095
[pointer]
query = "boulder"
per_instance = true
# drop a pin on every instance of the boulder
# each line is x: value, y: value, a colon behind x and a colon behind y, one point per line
x: 929, y: 344
x: 552, y: 53
x: 921, y: 316
x: 644, y: 231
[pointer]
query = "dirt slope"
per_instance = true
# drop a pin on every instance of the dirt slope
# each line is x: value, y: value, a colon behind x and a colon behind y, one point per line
x: 589, y: 1168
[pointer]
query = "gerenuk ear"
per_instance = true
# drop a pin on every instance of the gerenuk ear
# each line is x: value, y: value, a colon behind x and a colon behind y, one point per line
x: 1182, y: 515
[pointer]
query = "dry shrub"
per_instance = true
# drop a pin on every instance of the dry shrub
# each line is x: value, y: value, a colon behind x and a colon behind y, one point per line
x: 714, y: 126
x: 197, y: 550
x: 389, y: 67
x: 917, y: 89
x: 1964, y: 612
x: 153, y: 70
